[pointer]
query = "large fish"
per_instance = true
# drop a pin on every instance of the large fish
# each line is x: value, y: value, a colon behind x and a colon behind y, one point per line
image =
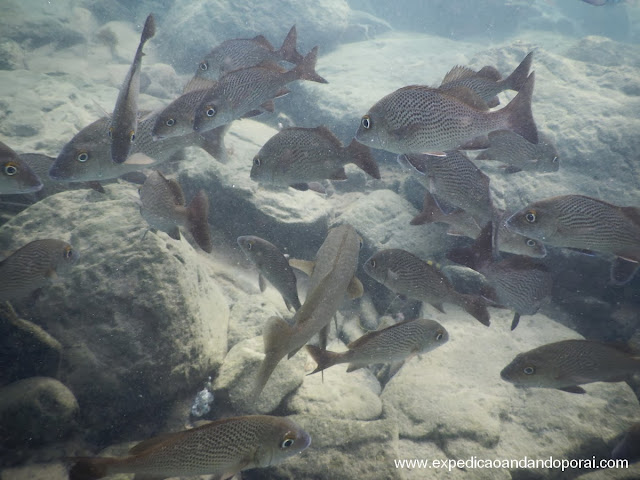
x: 34, y: 266
x: 584, y: 223
x: 405, y: 274
x: 163, y: 207
x: 392, y: 344
x: 124, y: 120
x: 273, y: 266
x: 518, y: 282
x: 242, y: 53
x: 221, y: 448
x: 565, y: 365
x: 244, y: 92
x: 487, y: 82
x: 518, y: 154
x: 296, y: 157
x: 462, y: 223
x: 15, y: 174
x: 87, y: 156
x: 419, y: 119
x: 629, y: 446
x: 333, y: 272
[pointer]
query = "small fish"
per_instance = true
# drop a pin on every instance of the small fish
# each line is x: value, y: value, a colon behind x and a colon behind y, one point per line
x: 518, y: 154
x: 405, y: 274
x: 242, y: 53
x: 124, y: 120
x: 461, y: 223
x: 487, y: 82
x: 273, y: 266
x: 296, y: 157
x: 584, y: 223
x: 222, y: 448
x: 419, y: 119
x: 392, y: 344
x: 33, y: 266
x: 333, y: 273
x: 565, y: 365
x: 87, y: 156
x: 629, y: 447
x: 249, y: 91
x: 518, y: 282
x: 15, y: 174
x: 163, y: 207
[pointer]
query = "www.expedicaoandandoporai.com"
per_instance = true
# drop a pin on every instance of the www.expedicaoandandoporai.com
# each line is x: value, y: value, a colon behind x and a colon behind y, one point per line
x: 473, y: 462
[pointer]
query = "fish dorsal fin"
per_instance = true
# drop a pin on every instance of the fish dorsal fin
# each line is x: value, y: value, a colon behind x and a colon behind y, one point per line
x: 632, y: 213
x: 466, y: 96
x: 153, y: 442
x: 328, y: 135
x: 490, y: 73
x: 176, y: 191
x: 457, y: 73
x: 261, y: 40
x: 270, y: 65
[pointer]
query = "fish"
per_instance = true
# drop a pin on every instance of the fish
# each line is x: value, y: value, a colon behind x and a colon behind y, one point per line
x: 15, y: 174
x: 420, y: 119
x: 454, y: 180
x: 273, y: 266
x: 87, y: 156
x: 599, y: 3
x: 396, y: 343
x: 249, y: 91
x: 222, y: 448
x: 33, y: 266
x: 462, y: 223
x: 332, y: 274
x: 629, y: 446
x: 296, y: 157
x: 163, y: 207
x: 587, y: 224
x: 124, y: 120
x: 487, y: 82
x: 518, y: 281
x: 240, y: 53
x: 518, y: 154
x: 405, y: 274
x: 567, y: 364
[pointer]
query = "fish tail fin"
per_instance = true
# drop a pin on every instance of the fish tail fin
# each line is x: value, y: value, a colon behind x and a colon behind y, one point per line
x: 149, y: 29
x: 519, y: 76
x: 324, y: 358
x: 477, y: 308
x: 430, y: 211
x: 361, y: 155
x: 275, y: 334
x: 212, y: 141
x: 198, y: 218
x: 89, y: 468
x: 306, y: 69
x: 288, y: 50
x: 518, y: 112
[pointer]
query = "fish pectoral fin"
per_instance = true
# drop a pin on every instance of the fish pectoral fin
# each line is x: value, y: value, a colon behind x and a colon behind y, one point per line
x: 153, y: 442
x: 262, y: 283
x: 268, y: 106
x: 515, y: 321
x: 353, y: 367
x: 437, y: 306
x: 303, y: 187
x: 401, y: 133
x: 355, y: 289
x: 573, y: 389
x: 623, y: 270
x: 339, y: 174
x: 142, y: 476
x: 52, y: 276
x: 391, y: 275
x: 96, y: 186
x: 174, y: 233
x: 252, y: 113
x: 293, y: 352
x: 139, y: 159
x: 510, y: 169
x: 583, y: 251
x: 305, y: 266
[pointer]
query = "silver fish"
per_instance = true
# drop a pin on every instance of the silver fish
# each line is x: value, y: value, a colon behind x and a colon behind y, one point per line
x: 242, y: 53
x: 15, y: 174
x: 124, y: 120
x: 565, y: 365
x: 518, y: 154
x: 419, y: 119
x: 163, y: 207
x: 487, y: 82
x: 273, y: 266
x: 405, y: 274
x: 396, y: 343
x: 222, y: 448
x: 33, y: 266
x: 297, y: 156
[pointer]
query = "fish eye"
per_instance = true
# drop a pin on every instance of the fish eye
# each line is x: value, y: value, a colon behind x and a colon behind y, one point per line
x: 288, y: 441
x: 203, y: 66
x: 361, y: 243
x: 10, y: 168
x: 366, y: 122
x: 531, y: 242
x: 68, y: 252
x: 529, y: 370
x: 132, y: 135
x: 82, y: 157
x: 530, y: 216
x: 111, y: 132
x: 555, y: 160
x: 256, y: 161
x: 170, y: 122
x: 372, y: 263
x: 439, y: 335
x: 211, y: 111
x: 249, y: 245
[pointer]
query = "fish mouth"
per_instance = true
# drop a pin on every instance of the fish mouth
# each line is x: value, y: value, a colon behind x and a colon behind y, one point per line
x: 32, y: 188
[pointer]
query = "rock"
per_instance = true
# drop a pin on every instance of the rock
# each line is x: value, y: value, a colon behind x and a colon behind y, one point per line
x: 11, y: 56
x: 35, y: 410
x: 454, y: 396
x: 49, y: 471
x: 632, y: 472
x: 140, y: 316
